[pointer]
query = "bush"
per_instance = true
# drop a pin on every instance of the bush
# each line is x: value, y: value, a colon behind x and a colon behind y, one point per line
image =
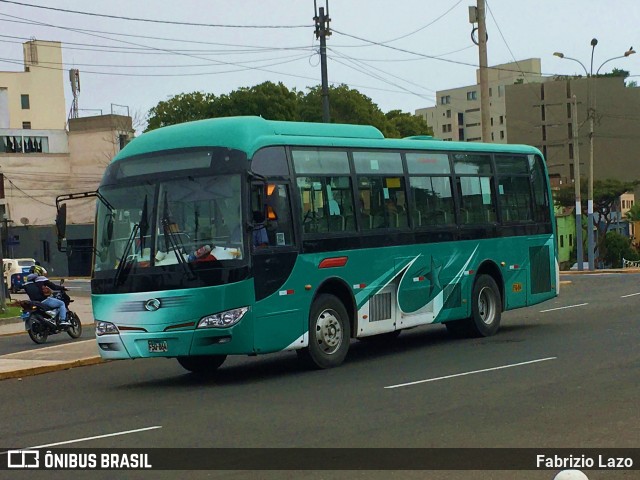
x: 618, y: 247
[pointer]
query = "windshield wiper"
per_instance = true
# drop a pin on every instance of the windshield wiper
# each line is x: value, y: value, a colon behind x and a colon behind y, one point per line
x: 173, y: 241
x: 126, y: 260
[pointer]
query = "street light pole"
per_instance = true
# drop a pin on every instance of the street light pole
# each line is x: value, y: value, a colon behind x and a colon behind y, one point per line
x: 591, y: 100
x: 576, y: 182
x: 592, y: 111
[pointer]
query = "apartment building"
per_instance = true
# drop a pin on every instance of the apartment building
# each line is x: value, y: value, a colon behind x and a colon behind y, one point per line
x: 457, y: 113
x: 540, y: 115
x: 42, y: 155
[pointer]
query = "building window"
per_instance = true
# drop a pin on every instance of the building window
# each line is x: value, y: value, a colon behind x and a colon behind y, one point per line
x: 26, y: 144
x: 571, y: 240
x: 502, y: 134
x: 501, y: 90
x: 492, y: 121
x: 26, y: 125
x: 561, y: 241
x: 473, y: 95
x: 448, y: 113
x: 445, y: 100
x: 24, y: 100
x: 490, y: 92
x: 501, y: 119
x: 571, y: 151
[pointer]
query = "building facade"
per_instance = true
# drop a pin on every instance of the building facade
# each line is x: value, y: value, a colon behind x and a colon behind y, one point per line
x: 541, y: 115
x: 42, y: 155
x: 457, y: 113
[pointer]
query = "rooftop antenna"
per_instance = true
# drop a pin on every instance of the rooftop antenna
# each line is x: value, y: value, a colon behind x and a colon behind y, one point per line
x: 74, y: 78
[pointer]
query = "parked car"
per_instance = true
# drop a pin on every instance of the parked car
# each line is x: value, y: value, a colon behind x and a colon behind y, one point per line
x: 16, y: 271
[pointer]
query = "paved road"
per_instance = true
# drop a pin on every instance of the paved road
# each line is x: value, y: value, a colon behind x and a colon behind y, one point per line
x: 561, y: 374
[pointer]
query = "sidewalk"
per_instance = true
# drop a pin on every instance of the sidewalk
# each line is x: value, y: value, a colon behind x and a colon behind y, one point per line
x: 83, y: 351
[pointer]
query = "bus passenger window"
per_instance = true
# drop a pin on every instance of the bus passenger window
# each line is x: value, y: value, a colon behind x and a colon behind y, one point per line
x: 327, y: 204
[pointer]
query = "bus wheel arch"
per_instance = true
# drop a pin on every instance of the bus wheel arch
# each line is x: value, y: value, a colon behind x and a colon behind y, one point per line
x: 487, y: 304
x: 329, y: 328
x: 338, y: 288
x: 490, y: 268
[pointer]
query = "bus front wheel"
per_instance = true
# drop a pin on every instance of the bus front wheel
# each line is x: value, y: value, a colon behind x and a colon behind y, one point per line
x: 486, y: 309
x: 202, y: 364
x: 329, y: 333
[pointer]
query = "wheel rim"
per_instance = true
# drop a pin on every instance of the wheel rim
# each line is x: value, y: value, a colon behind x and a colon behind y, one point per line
x: 487, y: 305
x: 328, y: 332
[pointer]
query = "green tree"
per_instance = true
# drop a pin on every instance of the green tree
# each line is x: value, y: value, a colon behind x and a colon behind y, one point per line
x: 606, y: 194
x: 347, y: 106
x: 407, y: 124
x: 276, y: 102
x: 267, y: 100
x: 633, y: 215
x: 616, y: 72
x: 618, y: 247
x: 184, y: 107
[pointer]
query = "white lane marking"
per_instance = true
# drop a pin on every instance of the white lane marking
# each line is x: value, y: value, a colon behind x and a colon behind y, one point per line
x: 630, y: 295
x: 562, y: 308
x: 471, y: 373
x: 77, y: 440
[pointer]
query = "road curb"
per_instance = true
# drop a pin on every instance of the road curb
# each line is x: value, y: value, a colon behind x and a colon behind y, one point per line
x: 27, y: 372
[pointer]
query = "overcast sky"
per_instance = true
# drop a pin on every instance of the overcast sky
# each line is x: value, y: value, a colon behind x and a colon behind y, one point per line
x: 138, y: 64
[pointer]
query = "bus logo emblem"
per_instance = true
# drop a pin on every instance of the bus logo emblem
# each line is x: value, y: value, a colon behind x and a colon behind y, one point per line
x: 152, y: 304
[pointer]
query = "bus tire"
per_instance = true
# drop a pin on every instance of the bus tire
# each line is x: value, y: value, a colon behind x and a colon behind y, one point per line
x: 202, y: 364
x: 486, y: 309
x: 329, y: 333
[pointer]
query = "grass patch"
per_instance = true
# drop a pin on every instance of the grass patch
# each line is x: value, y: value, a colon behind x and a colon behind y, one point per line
x: 10, y: 312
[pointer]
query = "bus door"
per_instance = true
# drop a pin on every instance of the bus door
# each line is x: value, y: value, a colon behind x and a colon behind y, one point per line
x: 278, y: 318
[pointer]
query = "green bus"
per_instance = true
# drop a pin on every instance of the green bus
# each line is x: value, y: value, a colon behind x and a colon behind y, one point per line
x: 246, y: 236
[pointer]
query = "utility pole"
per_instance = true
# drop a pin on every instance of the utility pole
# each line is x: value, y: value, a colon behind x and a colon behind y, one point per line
x: 322, y: 32
x: 478, y: 15
x: 576, y: 181
x: 484, y: 73
x: 3, y: 298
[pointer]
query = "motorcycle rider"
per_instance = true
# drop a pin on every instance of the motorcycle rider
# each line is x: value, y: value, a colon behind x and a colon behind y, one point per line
x: 36, y: 280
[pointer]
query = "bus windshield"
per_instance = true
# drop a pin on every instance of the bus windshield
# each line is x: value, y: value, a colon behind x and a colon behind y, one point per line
x: 189, y: 222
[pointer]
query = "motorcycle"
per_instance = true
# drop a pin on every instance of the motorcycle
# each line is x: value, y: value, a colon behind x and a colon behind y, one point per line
x: 40, y: 321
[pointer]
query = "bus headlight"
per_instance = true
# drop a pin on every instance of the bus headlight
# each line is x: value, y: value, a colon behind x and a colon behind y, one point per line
x: 105, y: 328
x: 223, y: 319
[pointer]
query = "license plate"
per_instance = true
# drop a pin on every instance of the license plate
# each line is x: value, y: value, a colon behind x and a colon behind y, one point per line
x: 157, y: 346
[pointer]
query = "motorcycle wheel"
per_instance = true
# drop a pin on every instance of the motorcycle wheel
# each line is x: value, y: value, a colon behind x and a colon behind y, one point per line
x: 38, y: 332
x: 75, y: 330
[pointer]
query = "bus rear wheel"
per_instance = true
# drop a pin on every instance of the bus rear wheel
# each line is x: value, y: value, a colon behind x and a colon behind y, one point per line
x: 486, y: 309
x: 202, y: 364
x: 329, y: 333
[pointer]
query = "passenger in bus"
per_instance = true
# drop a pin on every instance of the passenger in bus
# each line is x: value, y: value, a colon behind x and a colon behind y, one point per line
x: 259, y: 234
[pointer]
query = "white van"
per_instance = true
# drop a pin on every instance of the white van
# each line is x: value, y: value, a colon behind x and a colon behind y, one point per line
x: 16, y: 271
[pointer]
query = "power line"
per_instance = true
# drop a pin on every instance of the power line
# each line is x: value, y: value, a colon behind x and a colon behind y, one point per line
x: 423, y: 27
x: 150, y: 20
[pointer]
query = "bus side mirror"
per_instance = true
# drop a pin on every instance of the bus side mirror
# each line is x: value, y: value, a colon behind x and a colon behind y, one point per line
x: 61, y: 224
